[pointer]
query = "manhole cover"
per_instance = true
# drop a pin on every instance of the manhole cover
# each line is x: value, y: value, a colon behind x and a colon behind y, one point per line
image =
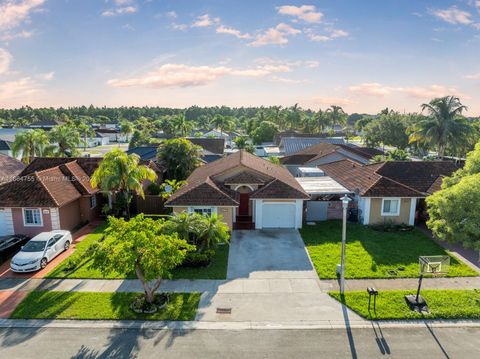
x: 224, y: 310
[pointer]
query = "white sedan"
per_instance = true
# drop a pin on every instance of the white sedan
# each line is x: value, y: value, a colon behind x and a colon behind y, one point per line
x: 40, y: 250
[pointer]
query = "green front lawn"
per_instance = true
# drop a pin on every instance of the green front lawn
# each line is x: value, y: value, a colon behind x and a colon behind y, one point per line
x: 371, y: 254
x: 443, y: 304
x: 87, y: 305
x: 83, y: 270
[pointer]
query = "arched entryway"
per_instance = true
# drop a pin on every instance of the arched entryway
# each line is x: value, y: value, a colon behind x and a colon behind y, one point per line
x: 244, y: 207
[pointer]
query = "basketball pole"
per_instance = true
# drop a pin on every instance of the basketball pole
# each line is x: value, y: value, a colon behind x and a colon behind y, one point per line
x: 419, y: 286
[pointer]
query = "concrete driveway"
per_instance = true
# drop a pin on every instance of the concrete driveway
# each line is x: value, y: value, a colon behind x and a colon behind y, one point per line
x: 268, y: 254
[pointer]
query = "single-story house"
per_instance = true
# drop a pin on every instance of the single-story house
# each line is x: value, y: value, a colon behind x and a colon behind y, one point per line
x: 46, y: 124
x: 213, y: 149
x: 113, y: 134
x: 290, y: 145
x: 323, y: 153
x: 49, y: 194
x: 248, y: 191
x: 392, y: 191
x: 99, y: 139
x: 10, y: 168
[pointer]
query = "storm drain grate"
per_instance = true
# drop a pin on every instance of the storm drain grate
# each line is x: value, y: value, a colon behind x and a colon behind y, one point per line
x: 224, y: 310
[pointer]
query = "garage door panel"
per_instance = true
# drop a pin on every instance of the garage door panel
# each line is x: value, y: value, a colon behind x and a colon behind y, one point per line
x: 278, y: 215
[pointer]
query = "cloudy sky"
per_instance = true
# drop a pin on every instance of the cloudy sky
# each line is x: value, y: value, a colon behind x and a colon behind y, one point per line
x: 362, y: 55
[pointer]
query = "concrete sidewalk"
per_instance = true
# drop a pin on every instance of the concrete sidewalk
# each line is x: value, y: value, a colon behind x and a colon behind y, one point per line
x: 236, y: 286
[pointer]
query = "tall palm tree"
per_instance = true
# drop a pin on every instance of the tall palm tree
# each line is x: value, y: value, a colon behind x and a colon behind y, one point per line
x: 30, y: 144
x: 126, y: 127
x: 222, y: 122
x: 294, y: 116
x: 67, y: 139
x: 337, y: 115
x: 444, y: 126
x: 181, y: 125
x: 121, y: 173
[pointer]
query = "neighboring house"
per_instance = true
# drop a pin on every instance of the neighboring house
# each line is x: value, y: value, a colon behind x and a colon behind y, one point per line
x: 390, y: 191
x: 99, y: 139
x: 113, y: 134
x: 323, y: 153
x: 45, y: 124
x: 290, y: 145
x: 49, y: 194
x: 249, y: 192
x: 10, y: 168
x: 229, y: 137
x: 6, y: 148
x: 212, y: 149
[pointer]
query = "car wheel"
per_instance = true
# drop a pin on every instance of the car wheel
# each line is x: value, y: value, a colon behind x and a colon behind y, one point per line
x: 66, y: 245
x: 43, y: 263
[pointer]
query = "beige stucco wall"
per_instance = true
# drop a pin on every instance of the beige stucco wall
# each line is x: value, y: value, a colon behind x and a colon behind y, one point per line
x: 225, y: 212
x: 376, y: 212
x: 180, y: 209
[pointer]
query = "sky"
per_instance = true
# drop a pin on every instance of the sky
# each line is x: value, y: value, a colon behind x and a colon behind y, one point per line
x: 361, y: 55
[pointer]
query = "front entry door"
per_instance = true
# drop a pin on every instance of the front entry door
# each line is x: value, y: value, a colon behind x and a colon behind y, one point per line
x: 244, y: 203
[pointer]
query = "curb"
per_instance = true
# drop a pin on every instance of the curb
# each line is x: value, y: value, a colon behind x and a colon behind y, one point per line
x: 202, y: 325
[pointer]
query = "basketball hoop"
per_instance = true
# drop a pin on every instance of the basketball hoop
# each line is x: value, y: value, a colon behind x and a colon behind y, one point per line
x: 429, y: 265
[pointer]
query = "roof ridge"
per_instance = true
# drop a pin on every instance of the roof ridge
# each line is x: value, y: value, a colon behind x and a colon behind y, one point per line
x: 36, y: 174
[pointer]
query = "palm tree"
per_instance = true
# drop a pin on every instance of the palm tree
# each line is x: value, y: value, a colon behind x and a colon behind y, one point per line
x: 444, y: 126
x: 30, y: 144
x: 337, y: 115
x: 222, y: 122
x: 67, y: 139
x: 212, y: 231
x: 294, y: 116
x: 182, y: 125
x: 126, y: 128
x: 121, y: 173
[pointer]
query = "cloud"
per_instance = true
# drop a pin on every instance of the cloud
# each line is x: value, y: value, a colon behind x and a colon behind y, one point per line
x: 331, y: 35
x: 15, y: 12
x: 453, y: 15
x: 5, y: 60
x: 287, y: 81
x: 171, y: 14
x: 428, y: 92
x: 291, y: 64
x: 123, y: 2
x: 371, y: 89
x: 18, y: 89
x: 329, y: 101
x: 306, y: 13
x: 205, y: 21
x: 431, y: 92
x: 473, y: 76
x: 181, y: 75
x: 181, y: 27
x: 275, y: 35
x: 231, y: 31
x: 46, y: 76
x: 120, y: 11
x: 8, y: 36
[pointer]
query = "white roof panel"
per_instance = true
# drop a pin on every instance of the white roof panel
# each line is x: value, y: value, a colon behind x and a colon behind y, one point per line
x: 321, y: 185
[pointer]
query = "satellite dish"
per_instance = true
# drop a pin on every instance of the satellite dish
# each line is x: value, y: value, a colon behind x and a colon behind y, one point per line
x: 168, y: 188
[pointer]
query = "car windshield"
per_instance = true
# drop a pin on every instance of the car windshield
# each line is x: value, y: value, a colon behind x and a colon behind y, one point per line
x: 34, y: 246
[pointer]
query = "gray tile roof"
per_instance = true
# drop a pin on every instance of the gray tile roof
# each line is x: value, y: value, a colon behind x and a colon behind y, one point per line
x: 289, y: 145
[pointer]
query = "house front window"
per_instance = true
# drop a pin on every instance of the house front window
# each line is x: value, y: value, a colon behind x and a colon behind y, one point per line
x: 32, y: 217
x: 390, y: 206
x: 206, y: 211
x: 93, y: 201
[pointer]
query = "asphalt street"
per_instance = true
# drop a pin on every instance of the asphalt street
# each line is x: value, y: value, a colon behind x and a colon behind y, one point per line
x: 373, y: 342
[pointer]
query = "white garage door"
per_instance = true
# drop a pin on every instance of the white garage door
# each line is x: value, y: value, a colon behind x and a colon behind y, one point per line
x: 278, y: 215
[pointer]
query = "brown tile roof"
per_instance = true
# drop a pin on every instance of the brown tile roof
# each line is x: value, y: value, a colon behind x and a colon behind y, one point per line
x: 436, y: 186
x: 60, y: 187
x: 366, y: 152
x: 89, y: 165
x: 9, y: 168
x: 213, y: 145
x: 78, y: 177
x: 246, y: 177
x: 418, y: 175
x: 251, y: 163
x: 393, y: 178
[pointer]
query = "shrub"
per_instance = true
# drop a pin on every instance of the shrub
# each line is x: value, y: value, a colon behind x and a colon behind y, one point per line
x: 198, y: 259
x: 154, y: 189
x: 391, y: 227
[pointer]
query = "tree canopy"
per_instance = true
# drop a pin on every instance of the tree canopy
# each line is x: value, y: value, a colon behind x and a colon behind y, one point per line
x: 455, y: 210
x: 179, y: 157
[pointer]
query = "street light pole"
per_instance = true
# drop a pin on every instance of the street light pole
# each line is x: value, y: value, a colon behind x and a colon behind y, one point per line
x: 345, y: 200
